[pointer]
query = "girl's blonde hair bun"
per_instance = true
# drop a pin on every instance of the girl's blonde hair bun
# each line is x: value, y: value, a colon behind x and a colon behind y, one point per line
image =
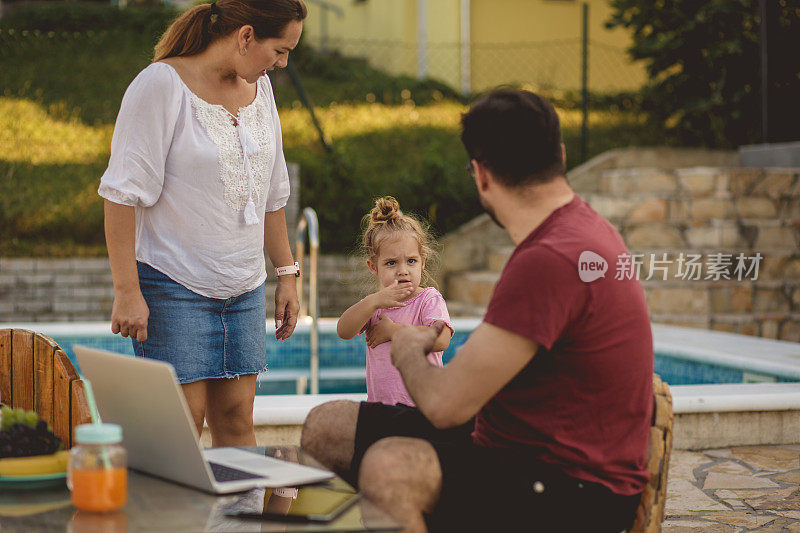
x: 386, y: 209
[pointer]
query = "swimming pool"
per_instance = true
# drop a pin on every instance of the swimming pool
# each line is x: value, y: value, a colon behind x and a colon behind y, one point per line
x: 681, y: 356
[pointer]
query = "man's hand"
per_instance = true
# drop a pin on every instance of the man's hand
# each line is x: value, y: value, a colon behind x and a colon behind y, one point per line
x: 393, y: 295
x: 129, y: 314
x: 382, y: 331
x: 413, y: 342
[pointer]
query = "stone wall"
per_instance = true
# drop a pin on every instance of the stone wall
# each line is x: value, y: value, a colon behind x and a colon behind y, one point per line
x: 707, y: 211
x: 60, y: 290
x: 662, y: 208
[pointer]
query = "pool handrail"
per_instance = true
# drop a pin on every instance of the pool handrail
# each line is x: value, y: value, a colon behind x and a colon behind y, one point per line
x: 308, y: 224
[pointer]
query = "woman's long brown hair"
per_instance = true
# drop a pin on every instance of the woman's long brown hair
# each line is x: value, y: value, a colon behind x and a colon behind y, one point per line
x: 201, y: 25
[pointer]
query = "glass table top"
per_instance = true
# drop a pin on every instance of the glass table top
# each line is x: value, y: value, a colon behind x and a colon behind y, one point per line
x: 158, y: 505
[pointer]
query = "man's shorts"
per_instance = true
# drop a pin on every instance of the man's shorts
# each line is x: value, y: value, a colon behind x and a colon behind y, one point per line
x: 496, y: 489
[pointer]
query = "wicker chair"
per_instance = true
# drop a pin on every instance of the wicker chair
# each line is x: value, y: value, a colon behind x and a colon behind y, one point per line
x: 650, y: 512
x: 36, y: 374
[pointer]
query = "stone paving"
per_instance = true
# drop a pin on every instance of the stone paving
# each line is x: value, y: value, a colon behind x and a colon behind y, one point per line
x: 749, y: 488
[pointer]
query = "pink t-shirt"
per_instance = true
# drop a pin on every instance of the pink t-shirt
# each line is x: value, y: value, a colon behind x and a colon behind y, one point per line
x: 384, y: 383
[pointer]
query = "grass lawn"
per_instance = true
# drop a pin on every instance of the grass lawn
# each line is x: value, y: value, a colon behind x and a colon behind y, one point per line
x: 50, y: 168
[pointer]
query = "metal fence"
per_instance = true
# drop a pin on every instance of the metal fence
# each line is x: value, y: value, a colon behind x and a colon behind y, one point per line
x: 569, y: 71
x: 348, y: 70
x: 550, y: 65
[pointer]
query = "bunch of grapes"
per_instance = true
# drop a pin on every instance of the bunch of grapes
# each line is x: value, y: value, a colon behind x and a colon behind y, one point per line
x: 22, y: 434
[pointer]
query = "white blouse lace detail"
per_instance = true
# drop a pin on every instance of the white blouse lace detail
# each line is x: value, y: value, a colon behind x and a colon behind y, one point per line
x: 190, y: 176
x: 256, y: 119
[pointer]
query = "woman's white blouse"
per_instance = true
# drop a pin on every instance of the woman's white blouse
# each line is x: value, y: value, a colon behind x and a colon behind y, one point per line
x: 190, y: 173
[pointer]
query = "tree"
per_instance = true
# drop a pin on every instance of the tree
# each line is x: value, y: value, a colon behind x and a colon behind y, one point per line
x: 703, y: 58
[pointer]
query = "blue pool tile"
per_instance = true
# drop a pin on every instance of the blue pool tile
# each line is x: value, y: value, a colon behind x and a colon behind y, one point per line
x: 335, y: 352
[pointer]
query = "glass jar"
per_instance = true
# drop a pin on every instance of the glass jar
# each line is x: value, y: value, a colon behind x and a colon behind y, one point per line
x: 98, y: 470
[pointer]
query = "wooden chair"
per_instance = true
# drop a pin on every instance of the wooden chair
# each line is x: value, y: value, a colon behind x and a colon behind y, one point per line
x: 36, y: 374
x: 650, y: 513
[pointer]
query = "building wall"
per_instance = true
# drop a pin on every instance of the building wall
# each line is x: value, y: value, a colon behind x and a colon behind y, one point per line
x: 380, y: 31
x: 531, y: 42
x: 538, y: 42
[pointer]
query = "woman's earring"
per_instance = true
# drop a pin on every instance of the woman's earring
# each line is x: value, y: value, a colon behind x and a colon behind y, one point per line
x: 242, y: 51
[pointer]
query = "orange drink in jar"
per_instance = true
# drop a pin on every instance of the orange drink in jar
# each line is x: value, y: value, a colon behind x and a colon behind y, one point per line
x: 98, y: 474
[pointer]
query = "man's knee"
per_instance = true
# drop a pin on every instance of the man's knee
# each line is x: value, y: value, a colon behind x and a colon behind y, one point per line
x: 401, y: 461
x: 402, y: 475
x: 329, y: 433
x: 332, y: 418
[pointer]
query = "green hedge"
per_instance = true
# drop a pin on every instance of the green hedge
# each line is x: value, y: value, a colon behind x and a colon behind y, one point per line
x: 84, y: 16
x: 423, y: 167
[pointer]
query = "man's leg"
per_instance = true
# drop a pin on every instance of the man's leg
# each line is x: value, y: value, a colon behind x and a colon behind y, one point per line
x: 338, y: 434
x: 402, y: 476
x: 329, y: 434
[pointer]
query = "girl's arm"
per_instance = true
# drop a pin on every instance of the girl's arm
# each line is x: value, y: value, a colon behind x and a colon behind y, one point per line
x: 352, y: 320
x: 443, y: 340
x: 385, y: 328
x: 129, y: 312
x: 276, y: 242
x: 358, y: 314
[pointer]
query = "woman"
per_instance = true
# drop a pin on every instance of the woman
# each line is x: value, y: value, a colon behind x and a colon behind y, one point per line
x: 194, y: 193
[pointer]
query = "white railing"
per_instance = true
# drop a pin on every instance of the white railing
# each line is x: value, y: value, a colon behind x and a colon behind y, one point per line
x: 308, y: 224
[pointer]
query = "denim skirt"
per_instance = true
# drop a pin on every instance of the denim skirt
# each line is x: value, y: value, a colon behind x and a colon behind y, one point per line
x: 203, y: 338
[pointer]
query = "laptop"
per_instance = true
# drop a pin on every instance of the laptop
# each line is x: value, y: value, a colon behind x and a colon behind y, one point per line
x: 144, y: 397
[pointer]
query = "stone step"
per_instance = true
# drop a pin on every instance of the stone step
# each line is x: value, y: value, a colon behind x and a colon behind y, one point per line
x: 701, y: 181
x: 714, y: 235
x: 471, y: 288
x: 635, y: 208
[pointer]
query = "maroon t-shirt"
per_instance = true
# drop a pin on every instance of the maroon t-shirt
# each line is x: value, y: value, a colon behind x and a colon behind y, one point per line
x: 584, y: 402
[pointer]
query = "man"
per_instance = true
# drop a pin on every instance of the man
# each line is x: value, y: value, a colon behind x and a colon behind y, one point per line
x: 558, y: 375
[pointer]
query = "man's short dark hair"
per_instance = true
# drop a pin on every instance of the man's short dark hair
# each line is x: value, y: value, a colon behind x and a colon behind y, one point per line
x: 516, y: 134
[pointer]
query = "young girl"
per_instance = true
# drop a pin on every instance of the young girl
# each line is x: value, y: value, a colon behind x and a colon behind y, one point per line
x: 396, y: 248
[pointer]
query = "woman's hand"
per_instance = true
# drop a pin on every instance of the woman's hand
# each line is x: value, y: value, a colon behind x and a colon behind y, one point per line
x: 393, y: 295
x: 287, y: 307
x: 382, y: 331
x: 129, y: 315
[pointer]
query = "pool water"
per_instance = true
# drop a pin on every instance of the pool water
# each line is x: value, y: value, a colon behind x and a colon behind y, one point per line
x: 335, y: 352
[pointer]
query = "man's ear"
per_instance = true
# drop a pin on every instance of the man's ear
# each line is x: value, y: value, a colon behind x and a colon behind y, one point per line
x: 481, y: 175
x: 371, y: 266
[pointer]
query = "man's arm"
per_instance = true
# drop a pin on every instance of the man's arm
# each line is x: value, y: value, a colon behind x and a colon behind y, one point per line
x: 450, y: 396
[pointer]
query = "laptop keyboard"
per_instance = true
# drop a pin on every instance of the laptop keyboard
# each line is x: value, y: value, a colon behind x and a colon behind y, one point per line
x: 226, y: 473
